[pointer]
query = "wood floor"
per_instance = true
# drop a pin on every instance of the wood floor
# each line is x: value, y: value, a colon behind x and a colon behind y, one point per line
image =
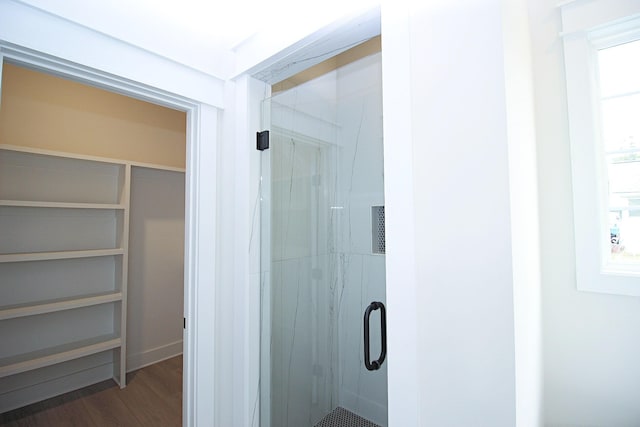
x: 153, y: 397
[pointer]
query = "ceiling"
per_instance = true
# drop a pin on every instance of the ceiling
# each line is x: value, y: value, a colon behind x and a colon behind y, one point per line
x: 202, y: 24
x: 222, y: 24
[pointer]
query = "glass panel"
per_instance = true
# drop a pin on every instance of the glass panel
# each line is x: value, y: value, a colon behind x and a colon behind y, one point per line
x: 619, y: 73
x: 320, y: 179
x: 619, y: 68
x: 621, y: 123
x: 625, y: 229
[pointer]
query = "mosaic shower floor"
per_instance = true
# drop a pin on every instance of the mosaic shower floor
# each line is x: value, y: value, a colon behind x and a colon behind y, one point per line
x: 340, y: 417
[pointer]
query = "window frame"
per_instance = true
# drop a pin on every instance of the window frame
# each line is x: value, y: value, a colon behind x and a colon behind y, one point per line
x: 587, y: 30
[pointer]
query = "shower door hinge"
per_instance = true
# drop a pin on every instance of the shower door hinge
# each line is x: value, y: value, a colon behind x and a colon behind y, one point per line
x: 184, y: 323
x: 262, y: 142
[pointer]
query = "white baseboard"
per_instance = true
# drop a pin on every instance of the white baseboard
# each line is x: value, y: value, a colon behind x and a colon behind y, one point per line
x: 153, y: 355
x: 373, y: 411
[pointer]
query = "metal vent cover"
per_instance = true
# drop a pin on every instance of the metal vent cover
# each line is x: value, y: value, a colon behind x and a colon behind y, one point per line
x: 377, y: 230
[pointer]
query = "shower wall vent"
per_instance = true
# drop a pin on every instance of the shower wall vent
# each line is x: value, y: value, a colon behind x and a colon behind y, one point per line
x: 377, y: 230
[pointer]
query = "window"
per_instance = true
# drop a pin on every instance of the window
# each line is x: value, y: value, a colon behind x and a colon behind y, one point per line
x: 602, y: 63
x: 618, y: 77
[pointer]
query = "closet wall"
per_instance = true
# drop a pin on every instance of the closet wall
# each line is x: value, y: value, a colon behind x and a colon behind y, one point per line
x: 43, y: 112
x: 47, y: 112
x: 156, y: 271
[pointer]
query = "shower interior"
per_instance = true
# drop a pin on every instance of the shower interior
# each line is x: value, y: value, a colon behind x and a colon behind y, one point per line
x: 322, y: 249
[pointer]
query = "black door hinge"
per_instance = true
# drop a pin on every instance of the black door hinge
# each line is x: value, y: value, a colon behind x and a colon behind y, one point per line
x: 262, y: 140
x: 184, y: 323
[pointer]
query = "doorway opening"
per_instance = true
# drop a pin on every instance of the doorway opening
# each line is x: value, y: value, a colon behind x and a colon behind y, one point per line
x: 90, y: 218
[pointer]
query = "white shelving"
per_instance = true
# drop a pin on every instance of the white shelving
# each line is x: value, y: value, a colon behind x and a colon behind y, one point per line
x: 50, y: 306
x: 62, y: 353
x: 47, y: 256
x: 61, y: 205
x: 55, y: 208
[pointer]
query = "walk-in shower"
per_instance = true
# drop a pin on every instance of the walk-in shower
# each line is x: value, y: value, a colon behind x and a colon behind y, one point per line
x: 323, y: 252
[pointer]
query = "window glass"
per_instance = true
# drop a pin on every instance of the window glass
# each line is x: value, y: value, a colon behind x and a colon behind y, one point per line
x: 619, y: 81
x: 619, y: 69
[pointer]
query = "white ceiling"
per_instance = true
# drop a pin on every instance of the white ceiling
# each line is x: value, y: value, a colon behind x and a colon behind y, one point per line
x: 222, y: 24
x: 214, y: 24
x: 206, y: 35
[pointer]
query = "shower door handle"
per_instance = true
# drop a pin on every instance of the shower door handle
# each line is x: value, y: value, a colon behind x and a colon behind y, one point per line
x: 376, y: 364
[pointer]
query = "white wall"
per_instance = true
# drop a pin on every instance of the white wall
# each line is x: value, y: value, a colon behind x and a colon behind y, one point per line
x: 402, y: 306
x: 444, y: 65
x: 525, y: 227
x: 463, y: 236
x: 591, y: 341
x: 156, y: 267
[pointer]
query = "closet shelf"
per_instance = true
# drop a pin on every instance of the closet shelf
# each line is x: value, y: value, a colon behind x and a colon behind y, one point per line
x: 44, y: 256
x: 62, y: 353
x: 61, y: 205
x: 50, y: 306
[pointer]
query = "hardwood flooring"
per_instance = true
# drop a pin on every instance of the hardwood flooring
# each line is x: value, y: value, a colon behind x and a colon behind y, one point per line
x: 152, y: 397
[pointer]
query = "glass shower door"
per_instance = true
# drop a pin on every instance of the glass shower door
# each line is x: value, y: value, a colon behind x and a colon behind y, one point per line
x: 323, y: 251
x: 298, y: 341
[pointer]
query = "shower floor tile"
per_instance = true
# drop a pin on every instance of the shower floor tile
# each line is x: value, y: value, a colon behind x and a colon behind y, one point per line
x: 340, y: 417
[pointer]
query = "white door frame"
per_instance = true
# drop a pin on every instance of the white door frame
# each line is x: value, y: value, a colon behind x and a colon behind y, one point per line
x: 200, y: 214
x: 403, y: 402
